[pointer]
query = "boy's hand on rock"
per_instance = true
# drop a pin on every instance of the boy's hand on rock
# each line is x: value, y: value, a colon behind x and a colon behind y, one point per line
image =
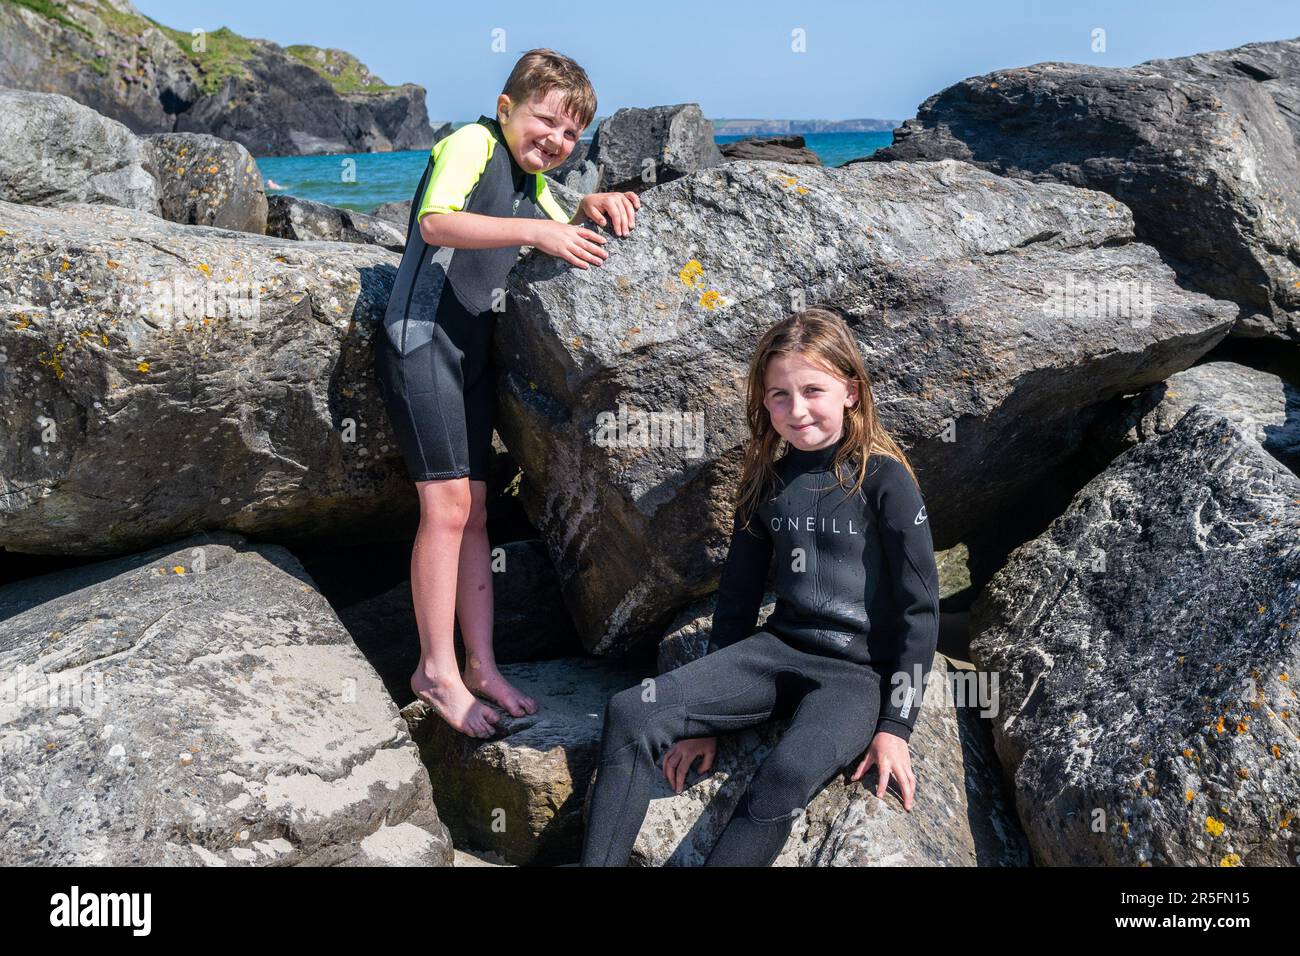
x: 677, y: 762
x: 889, y: 753
x: 620, y: 208
x: 576, y: 245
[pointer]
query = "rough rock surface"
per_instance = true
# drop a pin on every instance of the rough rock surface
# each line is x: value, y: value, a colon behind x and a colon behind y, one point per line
x: 1204, y: 149
x: 205, y: 181
x: 520, y: 793
x: 159, y: 379
x: 774, y: 149
x: 972, y: 297
x: 638, y: 149
x: 1264, y: 405
x: 54, y: 151
x: 199, y: 704
x: 960, y: 815
x: 1147, y: 645
x: 292, y: 218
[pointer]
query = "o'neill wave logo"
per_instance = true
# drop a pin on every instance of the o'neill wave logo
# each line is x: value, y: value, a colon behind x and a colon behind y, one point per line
x: 920, y: 516
x: 102, y: 909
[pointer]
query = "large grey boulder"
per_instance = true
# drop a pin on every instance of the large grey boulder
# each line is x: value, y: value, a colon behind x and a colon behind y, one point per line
x: 1203, y: 149
x: 54, y: 151
x: 1264, y: 405
x: 1146, y: 646
x: 960, y: 814
x: 289, y: 217
x: 774, y: 149
x: 639, y: 148
x: 158, y: 379
x: 199, y: 704
x: 994, y: 317
x: 206, y: 181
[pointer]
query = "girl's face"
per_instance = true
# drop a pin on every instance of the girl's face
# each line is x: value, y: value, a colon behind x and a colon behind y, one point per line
x: 805, y: 402
x: 539, y: 133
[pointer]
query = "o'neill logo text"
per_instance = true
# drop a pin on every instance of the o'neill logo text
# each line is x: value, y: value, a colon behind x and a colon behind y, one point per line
x: 102, y: 909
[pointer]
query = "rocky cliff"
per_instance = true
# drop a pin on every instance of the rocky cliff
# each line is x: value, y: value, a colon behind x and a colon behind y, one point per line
x: 273, y: 100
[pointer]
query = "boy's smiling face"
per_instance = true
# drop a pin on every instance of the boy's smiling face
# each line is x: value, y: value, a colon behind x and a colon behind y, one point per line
x: 540, y: 134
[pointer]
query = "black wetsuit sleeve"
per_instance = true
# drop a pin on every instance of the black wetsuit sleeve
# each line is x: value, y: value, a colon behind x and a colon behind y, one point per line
x: 909, y: 557
x: 740, y: 594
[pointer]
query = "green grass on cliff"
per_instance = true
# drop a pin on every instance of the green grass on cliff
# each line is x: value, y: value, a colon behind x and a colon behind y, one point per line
x: 51, y: 11
x: 225, y: 52
x: 342, y: 70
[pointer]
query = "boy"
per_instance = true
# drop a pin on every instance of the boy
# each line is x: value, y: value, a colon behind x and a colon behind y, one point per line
x: 482, y: 196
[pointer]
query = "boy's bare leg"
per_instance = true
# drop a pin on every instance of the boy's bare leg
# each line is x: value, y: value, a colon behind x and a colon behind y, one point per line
x: 444, y: 510
x: 474, y: 608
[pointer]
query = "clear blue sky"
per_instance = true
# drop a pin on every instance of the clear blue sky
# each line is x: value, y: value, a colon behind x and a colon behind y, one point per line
x: 863, y: 59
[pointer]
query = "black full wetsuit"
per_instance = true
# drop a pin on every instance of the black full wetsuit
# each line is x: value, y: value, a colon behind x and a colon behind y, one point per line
x: 844, y: 654
x: 433, y: 362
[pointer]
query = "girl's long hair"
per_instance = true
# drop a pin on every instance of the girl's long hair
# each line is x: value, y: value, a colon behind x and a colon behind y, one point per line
x: 820, y: 336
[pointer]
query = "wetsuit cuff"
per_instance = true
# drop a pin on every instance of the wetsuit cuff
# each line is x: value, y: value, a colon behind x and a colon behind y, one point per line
x: 895, y: 727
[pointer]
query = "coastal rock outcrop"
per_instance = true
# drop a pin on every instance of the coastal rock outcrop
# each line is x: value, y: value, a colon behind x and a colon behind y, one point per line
x: 1146, y: 646
x: 199, y: 704
x: 54, y: 151
x: 160, y: 379
x: 206, y: 181
x: 994, y: 316
x: 1204, y: 149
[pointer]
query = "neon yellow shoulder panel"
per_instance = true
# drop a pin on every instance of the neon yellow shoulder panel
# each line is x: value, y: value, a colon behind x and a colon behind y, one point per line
x: 458, y: 162
x: 547, y: 201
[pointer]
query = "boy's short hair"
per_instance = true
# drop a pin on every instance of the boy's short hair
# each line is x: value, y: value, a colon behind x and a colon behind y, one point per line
x: 541, y: 70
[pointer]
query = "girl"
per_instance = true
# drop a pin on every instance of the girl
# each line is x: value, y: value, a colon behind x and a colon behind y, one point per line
x: 846, y: 650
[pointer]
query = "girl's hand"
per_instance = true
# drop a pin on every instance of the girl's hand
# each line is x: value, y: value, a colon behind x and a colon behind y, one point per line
x: 620, y: 207
x: 682, y: 754
x: 576, y: 245
x: 889, y: 753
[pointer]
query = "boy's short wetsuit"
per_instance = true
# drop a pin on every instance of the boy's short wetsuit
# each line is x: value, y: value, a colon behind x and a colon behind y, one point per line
x: 433, y: 360
x: 844, y: 654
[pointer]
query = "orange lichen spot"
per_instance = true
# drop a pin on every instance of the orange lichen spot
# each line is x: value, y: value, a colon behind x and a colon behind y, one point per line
x: 23, y: 321
x: 710, y: 300
x: 1218, y: 727
x: 691, y: 274
x: 3, y: 233
x: 103, y: 338
x: 1276, y: 751
x: 111, y: 264
x: 1190, y: 796
x: 1232, y: 859
x: 1188, y: 752
x: 1286, y: 821
x: 213, y: 168
x: 1243, y: 773
x: 142, y: 367
x: 1262, y: 609
x: 1213, y: 827
x: 1241, y: 725
x: 801, y: 189
x: 179, y: 569
x: 203, y: 267
x: 1283, y: 676
x: 576, y: 342
x: 993, y: 85
x: 66, y: 266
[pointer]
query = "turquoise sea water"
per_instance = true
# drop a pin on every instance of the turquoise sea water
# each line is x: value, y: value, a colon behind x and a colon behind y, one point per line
x: 362, y: 181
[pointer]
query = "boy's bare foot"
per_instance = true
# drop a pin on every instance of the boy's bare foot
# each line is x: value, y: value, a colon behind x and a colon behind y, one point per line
x: 452, y: 701
x: 491, y: 684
